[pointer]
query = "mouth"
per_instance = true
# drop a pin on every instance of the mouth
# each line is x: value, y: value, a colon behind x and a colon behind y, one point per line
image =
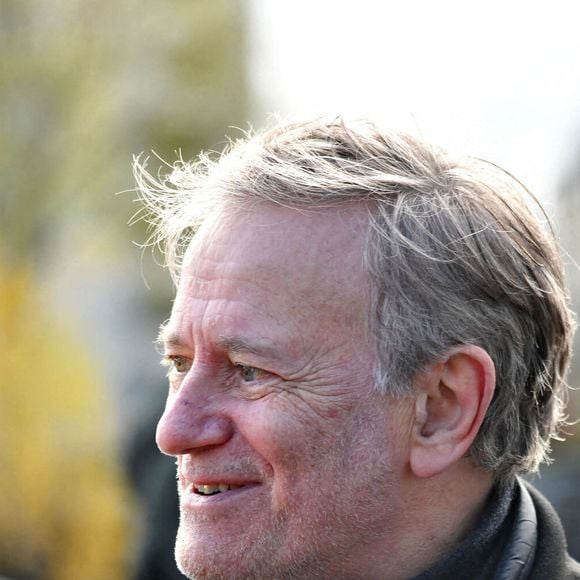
x: 214, y: 488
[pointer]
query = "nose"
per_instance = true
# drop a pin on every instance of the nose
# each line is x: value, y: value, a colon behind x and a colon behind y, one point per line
x: 187, y: 425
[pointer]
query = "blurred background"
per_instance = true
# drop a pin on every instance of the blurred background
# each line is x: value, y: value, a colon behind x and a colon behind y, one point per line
x: 84, y: 86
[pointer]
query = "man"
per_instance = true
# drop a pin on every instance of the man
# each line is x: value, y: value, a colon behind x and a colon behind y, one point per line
x: 368, y: 344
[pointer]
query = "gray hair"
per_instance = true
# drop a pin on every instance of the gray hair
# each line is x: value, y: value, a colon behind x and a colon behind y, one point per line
x: 454, y: 253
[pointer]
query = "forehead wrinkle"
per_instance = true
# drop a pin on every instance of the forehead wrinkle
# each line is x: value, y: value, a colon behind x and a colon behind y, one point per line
x: 230, y: 342
x: 286, y: 286
x: 323, y: 299
x: 208, y: 272
x: 197, y: 284
x: 215, y: 255
x: 266, y: 277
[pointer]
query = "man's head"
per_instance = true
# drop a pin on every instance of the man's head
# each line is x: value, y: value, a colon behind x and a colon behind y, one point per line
x: 359, y: 316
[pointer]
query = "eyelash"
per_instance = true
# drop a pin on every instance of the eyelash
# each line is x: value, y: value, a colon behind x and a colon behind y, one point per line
x: 245, y: 368
x: 171, y: 361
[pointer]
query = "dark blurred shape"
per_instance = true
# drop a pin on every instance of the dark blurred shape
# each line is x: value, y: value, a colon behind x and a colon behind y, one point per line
x: 153, y: 476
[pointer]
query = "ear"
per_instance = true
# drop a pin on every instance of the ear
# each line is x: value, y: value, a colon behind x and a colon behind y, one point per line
x: 452, y: 399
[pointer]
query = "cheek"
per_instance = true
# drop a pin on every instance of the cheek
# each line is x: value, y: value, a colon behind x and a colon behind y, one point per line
x: 291, y: 439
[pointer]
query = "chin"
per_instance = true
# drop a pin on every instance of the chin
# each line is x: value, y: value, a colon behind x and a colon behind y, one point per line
x: 196, y: 559
x: 199, y: 558
x: 259, y: 560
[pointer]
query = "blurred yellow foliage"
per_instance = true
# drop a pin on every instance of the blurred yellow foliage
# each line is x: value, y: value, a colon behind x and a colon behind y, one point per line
x: 84, y: 86
x: 64, y: 507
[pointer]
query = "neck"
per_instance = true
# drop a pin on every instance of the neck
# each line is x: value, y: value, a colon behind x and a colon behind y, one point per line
x: 440, y: 512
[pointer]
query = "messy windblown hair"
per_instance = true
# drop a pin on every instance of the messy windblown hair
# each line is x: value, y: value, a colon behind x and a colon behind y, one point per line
x: 454, y: 253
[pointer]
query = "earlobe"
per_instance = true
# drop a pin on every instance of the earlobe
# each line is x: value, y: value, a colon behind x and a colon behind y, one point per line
x: 451, y: 402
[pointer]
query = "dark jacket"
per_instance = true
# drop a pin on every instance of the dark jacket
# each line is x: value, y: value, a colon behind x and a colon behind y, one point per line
x: 551, y: 558
x: 518, y: 537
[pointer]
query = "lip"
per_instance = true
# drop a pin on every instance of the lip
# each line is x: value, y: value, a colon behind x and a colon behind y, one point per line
x: 187, y: 480
x: 193, y: 500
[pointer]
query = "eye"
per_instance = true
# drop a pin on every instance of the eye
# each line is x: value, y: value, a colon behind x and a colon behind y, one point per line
x: 177, y: 363
x: 251, y: 374
x: 255, y: 383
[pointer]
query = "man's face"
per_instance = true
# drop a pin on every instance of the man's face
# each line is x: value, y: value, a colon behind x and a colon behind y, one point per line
x: 271, y: 401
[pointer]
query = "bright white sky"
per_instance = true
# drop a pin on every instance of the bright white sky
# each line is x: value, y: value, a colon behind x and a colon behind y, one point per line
x: 497, y: 79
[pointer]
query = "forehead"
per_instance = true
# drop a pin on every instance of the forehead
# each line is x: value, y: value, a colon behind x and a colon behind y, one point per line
x: 276, y: 233
x: 280, y: 258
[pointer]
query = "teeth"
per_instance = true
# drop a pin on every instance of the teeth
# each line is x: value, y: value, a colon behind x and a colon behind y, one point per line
x: 211, y: 488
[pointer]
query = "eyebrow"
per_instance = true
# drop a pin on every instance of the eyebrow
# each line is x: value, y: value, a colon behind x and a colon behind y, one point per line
x: 237, y: 345
x: 231, y: 344
x: 168, y: 337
